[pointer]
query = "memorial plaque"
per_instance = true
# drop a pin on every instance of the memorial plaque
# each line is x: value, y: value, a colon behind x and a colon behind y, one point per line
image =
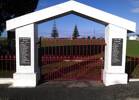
x: 24, y: 51
x: 117, y: 48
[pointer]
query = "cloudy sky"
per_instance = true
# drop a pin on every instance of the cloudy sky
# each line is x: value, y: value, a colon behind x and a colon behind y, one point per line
x: 128, y: 9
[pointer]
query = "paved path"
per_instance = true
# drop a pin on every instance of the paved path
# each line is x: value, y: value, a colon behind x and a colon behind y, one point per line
x: 72, y: 91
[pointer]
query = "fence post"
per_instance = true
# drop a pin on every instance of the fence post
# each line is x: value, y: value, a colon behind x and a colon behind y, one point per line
x: 27, y: 71
x: 115, y: 55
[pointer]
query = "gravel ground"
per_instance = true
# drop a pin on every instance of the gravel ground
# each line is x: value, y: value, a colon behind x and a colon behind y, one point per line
x: 72, y: 91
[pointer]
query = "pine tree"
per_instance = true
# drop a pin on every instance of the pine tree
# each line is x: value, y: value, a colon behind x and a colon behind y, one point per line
x: 54, y: 33
x: 75, y: 32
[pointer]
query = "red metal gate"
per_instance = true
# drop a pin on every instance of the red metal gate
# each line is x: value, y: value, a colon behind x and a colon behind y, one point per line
x: 132, y: 67
x: 71, y: 59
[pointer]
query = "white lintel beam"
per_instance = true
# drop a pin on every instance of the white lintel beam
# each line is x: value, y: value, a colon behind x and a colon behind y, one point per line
x: 63, y: 8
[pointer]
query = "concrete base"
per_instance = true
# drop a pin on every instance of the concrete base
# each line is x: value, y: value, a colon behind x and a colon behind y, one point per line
x: 24, y: 80
x: 114, y: 78
x: 6, y: 81
x: 134, y: 80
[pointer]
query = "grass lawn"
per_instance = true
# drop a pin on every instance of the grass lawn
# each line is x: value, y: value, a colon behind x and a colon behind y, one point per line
x: 133, y: 51
x: 133, y: 48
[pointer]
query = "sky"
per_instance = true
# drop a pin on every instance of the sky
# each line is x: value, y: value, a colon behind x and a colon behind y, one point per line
x: 128, y: 9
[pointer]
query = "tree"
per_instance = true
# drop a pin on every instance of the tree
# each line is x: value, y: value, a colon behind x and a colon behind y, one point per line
x: 54, y: 33
x: 14, y: 8
x: 11, y: 9
x: 75, y: 32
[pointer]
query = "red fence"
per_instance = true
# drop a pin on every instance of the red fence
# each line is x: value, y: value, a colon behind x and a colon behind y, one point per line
x: 77, y: 68
x: 66, y: 59
x: 132, y: 67
x: 7, y: 65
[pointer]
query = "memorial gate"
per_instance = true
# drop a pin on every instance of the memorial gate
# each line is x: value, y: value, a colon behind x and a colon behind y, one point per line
x: 116, y: 28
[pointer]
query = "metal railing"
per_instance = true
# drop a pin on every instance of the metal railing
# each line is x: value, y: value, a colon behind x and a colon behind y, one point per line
x: 7, y: 66
x: 71, y: 59
x: 132, y: 67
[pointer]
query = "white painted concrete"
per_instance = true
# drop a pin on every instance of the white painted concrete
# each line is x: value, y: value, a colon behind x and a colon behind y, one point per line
x: 133, y: 79
x: 26, y: 75
x: 25, y: 80
x: 25, y: 26
x: 25, y: 31
x: 114, y: 78
x: 114, y: 74
x: 54, y: 11
x: 6, y: 80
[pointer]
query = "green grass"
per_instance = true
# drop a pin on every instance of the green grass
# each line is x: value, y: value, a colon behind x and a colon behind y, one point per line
x: 133, y: 48
x: 133, y: 51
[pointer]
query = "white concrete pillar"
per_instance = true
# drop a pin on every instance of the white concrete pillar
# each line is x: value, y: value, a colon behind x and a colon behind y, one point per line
x: 115, y: 55
x: 26, y: 74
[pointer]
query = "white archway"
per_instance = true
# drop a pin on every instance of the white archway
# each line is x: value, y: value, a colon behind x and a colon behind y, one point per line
x: 27, y: 71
